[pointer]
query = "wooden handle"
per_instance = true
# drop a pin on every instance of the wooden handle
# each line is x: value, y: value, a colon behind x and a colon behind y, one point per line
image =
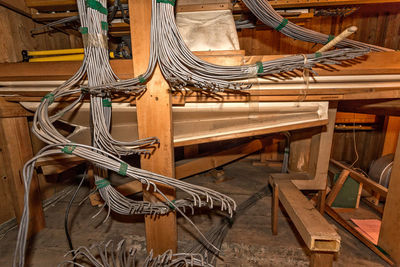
x: 346, y: 33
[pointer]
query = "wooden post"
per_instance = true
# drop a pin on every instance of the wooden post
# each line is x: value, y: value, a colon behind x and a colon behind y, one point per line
x: 389, y: 236
x: 321, y: 259
x: 275, y: 209
x: 15, y: 151
x: 154, y: 119
x: 392, y: 125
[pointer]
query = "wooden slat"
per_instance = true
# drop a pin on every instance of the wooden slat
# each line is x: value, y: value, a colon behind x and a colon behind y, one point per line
x: 316, y: 232
x: 337, y: 187
x: 362, y: 179
x: 359, y: 236
x: 154, y: 114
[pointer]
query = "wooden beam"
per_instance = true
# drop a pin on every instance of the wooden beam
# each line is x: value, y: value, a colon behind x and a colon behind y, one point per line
x: 218, y: 159
x: 316, y: 232
x: 373, y: 63
x: 389, y: 236
x: 154, y: 115
x: 392, y: 129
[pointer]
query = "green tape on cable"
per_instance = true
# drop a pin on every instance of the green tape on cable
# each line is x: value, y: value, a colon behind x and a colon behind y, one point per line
x: 318, y: 54
x: 104, y: 25
x: 330, y: 38
x: 93, y: 4
x: 171, y: 2
x: 282, y: 25
x: 68, y: 149
x: 101, y: 183
x: 170, y: 205
x: 49, y: 97
x: 106, y: 102
x: 260, y: 67
x: 142, y: 79
x: 83, y: 30
x: 123, y: 168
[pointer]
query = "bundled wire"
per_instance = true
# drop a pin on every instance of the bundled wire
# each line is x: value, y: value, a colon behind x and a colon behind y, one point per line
x: 110, y: 255
x: 263, y: 10
x: 185, y: 71
x: 217, y: 234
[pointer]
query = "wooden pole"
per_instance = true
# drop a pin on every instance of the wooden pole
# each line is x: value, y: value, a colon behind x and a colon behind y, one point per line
x: 154, y: 116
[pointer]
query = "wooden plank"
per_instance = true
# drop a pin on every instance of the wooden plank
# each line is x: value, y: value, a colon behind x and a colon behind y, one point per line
x: 154, y: 115
x: 373, y: 63
x: 316, y: 232
x: 359, y: 236
x: 275, y: 208
x: 218, y: 159
x: 350, y: 117
x: 392, y: 124
x: 389, y: 237
x: 336, y: 188
x: 16, y: 149
x: 320, y: 153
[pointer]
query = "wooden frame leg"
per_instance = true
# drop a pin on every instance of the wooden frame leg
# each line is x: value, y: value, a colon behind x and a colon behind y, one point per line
x: 275, y: 207
x: 321, y: 201
x: 321, y: 259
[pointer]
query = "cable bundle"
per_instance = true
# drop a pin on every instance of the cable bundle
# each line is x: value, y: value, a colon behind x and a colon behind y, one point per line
x: 120, y: 256
x: 263, y: 10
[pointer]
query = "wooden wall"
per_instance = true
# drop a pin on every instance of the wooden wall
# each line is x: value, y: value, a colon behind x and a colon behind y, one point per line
x: 377, y: 24
x: 15, y: 36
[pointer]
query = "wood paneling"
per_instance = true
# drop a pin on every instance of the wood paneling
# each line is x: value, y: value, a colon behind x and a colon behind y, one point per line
x: 15, y: 36
x: 377, y: 24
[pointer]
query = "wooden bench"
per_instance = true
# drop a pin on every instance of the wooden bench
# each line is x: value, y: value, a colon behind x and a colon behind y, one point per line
x: 318, y: 235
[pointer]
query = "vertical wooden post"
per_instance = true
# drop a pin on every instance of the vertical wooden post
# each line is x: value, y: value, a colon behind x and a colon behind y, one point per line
x: 392, y: 125
x: 389, y: 236
x: 321, y: 259
x: 275, y: 209
x: 15, y: 151
x: 154, y: 119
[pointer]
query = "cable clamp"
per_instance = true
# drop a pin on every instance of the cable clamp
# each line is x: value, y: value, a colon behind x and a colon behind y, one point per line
x: 68, y: 149
x: 123, y: 168
x: 101, y: 183
x: 171, y: 2
x: 49, y: 97
x: 282, y: 25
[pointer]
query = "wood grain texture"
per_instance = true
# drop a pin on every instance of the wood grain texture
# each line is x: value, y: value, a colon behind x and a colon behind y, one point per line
x: 154, y: 119
x: 389, y: 237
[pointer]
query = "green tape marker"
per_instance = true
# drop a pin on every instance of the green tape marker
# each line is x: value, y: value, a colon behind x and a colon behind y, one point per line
x: 101, y: 183
x: 104, y: 25
x: 171, y: 2
x: 260, y: 67
x: 282, y: 25
x: 68, y: 149
x: 49, y: 97
x: 123, y: 168
x: 330, y: 38
x: 83, y: 30
x: 170, y: 205
x: 318, y: 54
x: 141, y: 79
x: 106, y: 102
x: 93, y: 4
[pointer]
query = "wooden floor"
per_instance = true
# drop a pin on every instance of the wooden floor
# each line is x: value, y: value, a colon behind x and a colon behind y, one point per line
x: 248, y: 243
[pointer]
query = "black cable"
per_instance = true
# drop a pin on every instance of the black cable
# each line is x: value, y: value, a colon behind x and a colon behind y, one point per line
x: 67, y: 214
